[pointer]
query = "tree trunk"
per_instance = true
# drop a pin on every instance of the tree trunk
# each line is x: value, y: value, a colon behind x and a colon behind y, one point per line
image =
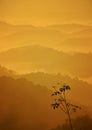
x: 70, y: 122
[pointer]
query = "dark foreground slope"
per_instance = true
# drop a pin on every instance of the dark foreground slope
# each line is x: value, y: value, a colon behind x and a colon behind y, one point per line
x: 24, y: 106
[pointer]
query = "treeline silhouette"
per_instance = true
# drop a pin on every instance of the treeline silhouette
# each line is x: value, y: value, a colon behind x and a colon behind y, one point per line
x: 6, y: 72
x: 79, y: 123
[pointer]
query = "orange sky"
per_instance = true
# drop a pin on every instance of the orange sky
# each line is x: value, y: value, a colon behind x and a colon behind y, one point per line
x: 44, y: 12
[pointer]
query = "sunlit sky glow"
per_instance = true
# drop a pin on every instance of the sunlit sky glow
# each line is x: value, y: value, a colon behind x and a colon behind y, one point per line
x: 44, y: 12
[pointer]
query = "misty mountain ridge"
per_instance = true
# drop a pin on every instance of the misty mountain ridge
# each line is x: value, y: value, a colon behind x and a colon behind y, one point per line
x: 54, y: 36
x: 77, y: 85
x: 37, y: 58
x: 83, y: 33
x: 49, y: 80
x: 29, y: 37
x: 69, y: 28
x: 6, y: 72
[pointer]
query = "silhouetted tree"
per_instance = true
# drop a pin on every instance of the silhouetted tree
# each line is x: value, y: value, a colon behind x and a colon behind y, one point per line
x: 63, y: 103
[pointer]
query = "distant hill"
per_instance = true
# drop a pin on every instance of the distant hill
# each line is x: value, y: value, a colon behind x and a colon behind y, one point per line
x: 80, y: 41
x: 38, y: 58
x: 28, y: 35
x: 30, y: 58
x: 77, y: 44
x: 54, y: 36
x: 6, y: 29
x: 79, y: 88
x: 9, y: 29
x: 83, y: 33
x: 69, y: 28
x: 6, y: 72
x: 32, y: 37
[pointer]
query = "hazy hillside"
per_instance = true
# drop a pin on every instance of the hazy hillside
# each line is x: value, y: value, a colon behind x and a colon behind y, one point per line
x: 79, y: 89
x: 25, y: 106
x: 6, y: 29
x: 80, y: 41
x: 69, y: 28
x: 77, y: 44
x: 48, y: 80
x: 83, y: 33
x: 62, y: 37
x: 38, y: 58
x: 39, y: 37
x: 28, y: 35
x: 6, y: 72
x: 30, y: 58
